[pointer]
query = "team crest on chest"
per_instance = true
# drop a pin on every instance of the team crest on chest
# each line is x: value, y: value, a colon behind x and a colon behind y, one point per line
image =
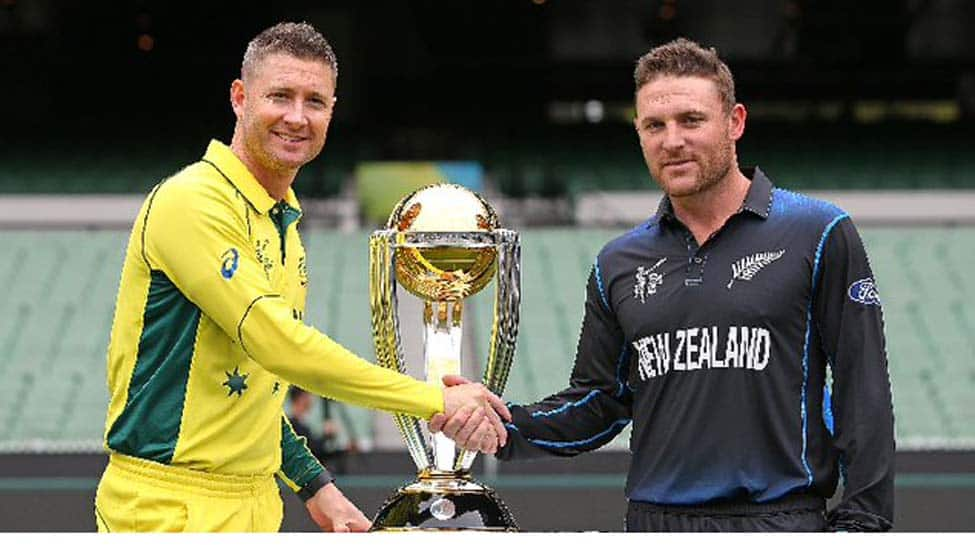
x: 747, y: 267
x: 647, y: 280
x: 236, y: 383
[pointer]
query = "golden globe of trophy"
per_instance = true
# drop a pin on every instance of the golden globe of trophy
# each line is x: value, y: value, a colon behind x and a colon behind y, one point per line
x: 443, y: 243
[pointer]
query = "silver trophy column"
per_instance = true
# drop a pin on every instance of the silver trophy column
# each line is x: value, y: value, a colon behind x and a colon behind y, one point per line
x: 443, y: 268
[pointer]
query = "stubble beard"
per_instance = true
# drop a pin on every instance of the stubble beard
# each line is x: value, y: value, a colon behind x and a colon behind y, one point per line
x: 263, y: 149
x: 711, y: 175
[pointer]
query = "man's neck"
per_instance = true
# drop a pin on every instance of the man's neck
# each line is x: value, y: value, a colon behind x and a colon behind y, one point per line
x: 276, y: 183
x: 706, y: 212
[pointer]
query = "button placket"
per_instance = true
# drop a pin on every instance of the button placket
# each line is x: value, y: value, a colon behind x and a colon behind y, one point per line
x: 695, y: 263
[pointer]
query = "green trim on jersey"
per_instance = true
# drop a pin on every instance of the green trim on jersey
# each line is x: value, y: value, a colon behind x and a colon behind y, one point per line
x: 298, y: 464
x: 283, y: 215
x: 149, y: 425
x: 208, y: 327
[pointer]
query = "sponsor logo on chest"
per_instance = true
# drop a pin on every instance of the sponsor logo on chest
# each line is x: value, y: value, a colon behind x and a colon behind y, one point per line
x: 229, y: 262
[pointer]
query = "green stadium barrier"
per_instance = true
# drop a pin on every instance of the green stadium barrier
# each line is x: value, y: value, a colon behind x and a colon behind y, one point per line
x: 58, y: 288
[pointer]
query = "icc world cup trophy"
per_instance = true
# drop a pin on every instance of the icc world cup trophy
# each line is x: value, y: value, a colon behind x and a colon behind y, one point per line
x: 443, y: 243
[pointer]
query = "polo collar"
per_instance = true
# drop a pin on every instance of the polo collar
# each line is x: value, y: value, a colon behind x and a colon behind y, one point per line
x: 758, y: 200
x: 233, y: 169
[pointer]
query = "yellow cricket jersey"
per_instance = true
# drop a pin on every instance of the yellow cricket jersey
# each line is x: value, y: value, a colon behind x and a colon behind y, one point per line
x: 208, y: 332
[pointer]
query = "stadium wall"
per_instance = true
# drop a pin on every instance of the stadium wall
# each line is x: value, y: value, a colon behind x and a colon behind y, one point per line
x: 55, y: 493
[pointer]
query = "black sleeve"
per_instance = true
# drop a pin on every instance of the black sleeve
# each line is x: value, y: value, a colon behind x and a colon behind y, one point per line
x: 596, y: 405
x: 848, y: 314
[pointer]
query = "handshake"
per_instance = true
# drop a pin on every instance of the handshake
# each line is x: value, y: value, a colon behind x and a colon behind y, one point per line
x: 473, y: 416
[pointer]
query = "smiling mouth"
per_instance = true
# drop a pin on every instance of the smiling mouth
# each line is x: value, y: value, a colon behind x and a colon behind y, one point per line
x: 289, y: 138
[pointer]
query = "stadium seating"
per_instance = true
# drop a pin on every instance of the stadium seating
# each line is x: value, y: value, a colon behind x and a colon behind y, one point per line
x: 338, y: 303
x: 930, y: 327
x: 557, y: 162
x: 57, y: 293
x: 109, y: 169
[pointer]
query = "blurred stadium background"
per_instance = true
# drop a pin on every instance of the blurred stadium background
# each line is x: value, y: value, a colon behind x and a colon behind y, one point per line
x: 870, y: 104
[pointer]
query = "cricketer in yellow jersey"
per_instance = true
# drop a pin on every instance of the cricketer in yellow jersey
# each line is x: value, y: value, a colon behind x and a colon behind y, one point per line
x: 208, y: 332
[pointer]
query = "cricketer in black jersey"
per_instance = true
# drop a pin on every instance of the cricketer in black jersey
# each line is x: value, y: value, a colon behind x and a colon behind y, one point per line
x: 718, y: 355
x: 713, y: 328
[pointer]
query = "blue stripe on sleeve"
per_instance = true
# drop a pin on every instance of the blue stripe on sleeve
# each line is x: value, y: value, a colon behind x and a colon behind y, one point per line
x: 567, y: 406
x: 828, y: 409
x: 599, y: 283
x: 620, y: 382
x: 613, y: 429
x: 805, y: 348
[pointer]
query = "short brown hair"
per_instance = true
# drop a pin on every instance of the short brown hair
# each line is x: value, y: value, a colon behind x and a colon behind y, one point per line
x: 683, y: 57
x: 299, y: 40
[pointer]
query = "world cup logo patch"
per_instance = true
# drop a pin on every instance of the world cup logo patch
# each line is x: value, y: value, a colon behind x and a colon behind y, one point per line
x: 647, y: 280
x: 302, y: 271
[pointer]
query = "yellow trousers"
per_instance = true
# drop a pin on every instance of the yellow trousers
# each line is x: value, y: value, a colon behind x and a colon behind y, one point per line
x: 137, y: 495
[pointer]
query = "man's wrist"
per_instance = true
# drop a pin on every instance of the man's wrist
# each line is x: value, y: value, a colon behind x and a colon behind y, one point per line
x: 312, y: 487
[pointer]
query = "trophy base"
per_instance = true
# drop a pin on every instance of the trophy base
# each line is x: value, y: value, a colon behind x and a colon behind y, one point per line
x: 444, y: 501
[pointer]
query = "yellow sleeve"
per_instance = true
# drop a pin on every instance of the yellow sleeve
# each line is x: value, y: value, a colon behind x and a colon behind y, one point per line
x: 194, y: 232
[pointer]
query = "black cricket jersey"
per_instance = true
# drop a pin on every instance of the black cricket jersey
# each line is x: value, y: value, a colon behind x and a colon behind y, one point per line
x: 718, y: 354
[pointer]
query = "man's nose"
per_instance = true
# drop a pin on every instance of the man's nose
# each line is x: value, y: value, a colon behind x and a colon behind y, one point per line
x: 673, y: 137
x: 296, y: 114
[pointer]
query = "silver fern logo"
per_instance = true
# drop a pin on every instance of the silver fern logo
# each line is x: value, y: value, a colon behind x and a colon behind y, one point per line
x: 647, y: 280
x: 747, y: 267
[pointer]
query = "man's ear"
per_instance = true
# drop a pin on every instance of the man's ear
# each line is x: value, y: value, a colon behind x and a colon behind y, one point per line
x: 736, y: 121
x: 237, y: 97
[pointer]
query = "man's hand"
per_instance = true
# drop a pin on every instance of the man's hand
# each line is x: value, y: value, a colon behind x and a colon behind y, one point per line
x: 473, y: 416
x: 332, y: 512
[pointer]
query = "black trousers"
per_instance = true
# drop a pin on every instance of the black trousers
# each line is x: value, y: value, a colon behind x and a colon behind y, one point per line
x: 798, y: 513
